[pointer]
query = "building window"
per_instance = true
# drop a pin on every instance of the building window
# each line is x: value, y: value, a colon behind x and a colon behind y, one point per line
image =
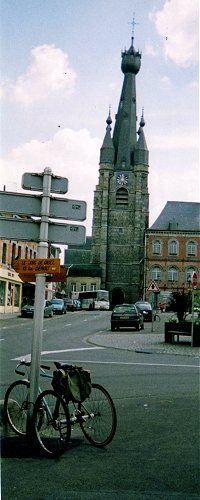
x: 19, y: 252
x: 31, y: 253
x: 172, y: 274
x: 13, y: 252
x: 73, y: 287
x: 156, y: 247
x: 83, y: 287
x: 122, y: 197
x: 2, y: 292
x: 4, y: 253
x: 189, y: 272
x: 191, y: 248
x: 26, y: 252
x: 156, y: 273
x: 173, y: 247
x: 35, y: 255
x: 93, y: 287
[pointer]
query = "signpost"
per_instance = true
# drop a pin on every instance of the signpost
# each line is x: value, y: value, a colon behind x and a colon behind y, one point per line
x: 29, y: 230
x: 37, y: 266
x: 44, y: 231
x: 153, y: 287
x: 60, y: 208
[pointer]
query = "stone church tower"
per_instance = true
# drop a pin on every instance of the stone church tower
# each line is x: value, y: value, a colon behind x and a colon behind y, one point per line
x: 121, y: 200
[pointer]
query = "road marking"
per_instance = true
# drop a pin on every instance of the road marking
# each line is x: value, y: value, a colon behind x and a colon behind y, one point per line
x: 2, y: 339
x: 68, y: 324
x: 26, y: 356
x: 126, y: 363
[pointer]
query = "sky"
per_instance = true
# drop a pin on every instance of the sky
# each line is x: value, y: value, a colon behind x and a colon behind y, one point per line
x: 61, y: 70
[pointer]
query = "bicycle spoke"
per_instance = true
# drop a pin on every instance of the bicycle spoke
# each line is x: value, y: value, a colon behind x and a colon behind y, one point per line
x: 51, y: 423
x: 98, y: 417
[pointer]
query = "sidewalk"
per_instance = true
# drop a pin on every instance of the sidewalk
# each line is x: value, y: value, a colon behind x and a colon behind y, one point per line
x: 146, y: 341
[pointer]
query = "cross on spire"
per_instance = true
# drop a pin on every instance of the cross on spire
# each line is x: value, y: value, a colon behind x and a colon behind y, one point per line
x: 133, y: 22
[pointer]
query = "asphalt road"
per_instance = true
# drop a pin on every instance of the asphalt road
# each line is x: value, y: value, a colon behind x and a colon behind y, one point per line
x: 155, y: 452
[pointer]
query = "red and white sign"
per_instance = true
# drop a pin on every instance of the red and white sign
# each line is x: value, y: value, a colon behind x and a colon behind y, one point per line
x: 194, y: 280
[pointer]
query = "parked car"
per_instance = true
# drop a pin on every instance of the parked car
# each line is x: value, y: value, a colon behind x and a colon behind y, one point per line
x: 70, y: 304
x: 28, y: 309
x: 146, y: 309
x: 126, y: 315
x: 59, y: 306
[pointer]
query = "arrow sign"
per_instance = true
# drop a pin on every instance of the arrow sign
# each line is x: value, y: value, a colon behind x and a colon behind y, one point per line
x: 34, y: 182
x: 29, y: 204
x: 29, y: 230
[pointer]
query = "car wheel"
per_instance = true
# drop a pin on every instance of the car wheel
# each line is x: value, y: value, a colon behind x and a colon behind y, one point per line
x: 142, y: 326
x: 112, y: 328
x: 137, y: 328
x: 51, y: 314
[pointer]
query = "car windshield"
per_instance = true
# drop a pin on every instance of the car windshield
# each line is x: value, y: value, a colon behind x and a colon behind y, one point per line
x: 143, y: 305
x: 124, y: 308
x: 56, y: 301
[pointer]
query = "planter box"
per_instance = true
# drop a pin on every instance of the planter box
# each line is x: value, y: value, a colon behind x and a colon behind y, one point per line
x: 181, y: 328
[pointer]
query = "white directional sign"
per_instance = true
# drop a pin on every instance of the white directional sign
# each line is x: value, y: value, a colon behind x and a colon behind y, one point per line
x: 29, y: 230
x: 29, y: 204
x: 34, y: 182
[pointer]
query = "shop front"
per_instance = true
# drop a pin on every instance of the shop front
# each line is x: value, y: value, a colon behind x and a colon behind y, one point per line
x: 10, y: 291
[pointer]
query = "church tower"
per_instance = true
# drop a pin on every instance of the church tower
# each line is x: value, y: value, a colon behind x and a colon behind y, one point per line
x: 121, y: 200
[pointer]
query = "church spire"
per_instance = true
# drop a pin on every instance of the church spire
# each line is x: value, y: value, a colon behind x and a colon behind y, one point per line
x: 124, y: 136
x: 107, y: 149
x: 141, y: 151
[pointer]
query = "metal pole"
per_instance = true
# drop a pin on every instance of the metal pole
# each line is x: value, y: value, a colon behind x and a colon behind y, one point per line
x: 192, y: 329
x: 40, y: 293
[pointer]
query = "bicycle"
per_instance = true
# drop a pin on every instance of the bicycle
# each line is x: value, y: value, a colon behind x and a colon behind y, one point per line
x: 52, y: 420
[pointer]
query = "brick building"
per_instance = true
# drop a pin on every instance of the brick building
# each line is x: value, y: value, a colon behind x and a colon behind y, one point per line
x: 173, y: 249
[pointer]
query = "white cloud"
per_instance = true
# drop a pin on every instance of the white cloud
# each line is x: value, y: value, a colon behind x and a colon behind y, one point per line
x: 151, y: 50
x: 49, y: 72
x: 71, y: 154
x: 166, y: 81
x: 177, y: 24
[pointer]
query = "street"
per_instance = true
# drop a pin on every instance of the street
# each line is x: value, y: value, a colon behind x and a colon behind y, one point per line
x: 155, y: 452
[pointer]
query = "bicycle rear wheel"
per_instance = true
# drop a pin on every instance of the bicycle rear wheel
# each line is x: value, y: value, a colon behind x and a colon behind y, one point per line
x: 51, y: 423
x: 16, y: 406
x: 98, y: 417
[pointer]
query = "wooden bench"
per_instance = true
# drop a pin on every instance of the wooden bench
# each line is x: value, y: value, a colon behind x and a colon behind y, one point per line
x: 175, y: 330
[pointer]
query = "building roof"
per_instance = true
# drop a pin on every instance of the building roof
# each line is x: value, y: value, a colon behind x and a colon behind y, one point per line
x: 179, y: 216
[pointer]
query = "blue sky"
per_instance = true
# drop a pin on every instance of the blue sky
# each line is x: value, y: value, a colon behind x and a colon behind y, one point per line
x: 60, y: 71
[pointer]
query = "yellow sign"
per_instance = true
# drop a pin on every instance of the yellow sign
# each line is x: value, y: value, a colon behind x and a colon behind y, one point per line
x: 37, y: 266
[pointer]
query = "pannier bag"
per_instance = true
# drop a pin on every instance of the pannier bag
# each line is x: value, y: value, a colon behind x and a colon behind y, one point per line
x: 73, y: 382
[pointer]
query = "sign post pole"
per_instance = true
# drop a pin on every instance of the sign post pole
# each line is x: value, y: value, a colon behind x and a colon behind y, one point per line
x: 194, y: 285
x: 40, y: 293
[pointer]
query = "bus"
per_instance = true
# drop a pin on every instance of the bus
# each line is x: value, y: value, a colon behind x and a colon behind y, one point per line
x: 95, y: 299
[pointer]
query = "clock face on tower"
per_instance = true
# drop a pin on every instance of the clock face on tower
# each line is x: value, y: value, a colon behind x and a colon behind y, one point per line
x: 122, y: 179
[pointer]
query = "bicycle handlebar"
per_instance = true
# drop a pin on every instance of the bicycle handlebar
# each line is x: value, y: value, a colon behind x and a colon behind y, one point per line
x: 28, y: 363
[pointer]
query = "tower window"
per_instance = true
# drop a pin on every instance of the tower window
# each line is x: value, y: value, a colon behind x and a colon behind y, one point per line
x: 122, y: 197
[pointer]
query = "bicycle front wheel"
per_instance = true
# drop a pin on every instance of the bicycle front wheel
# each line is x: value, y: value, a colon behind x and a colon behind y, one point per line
x: 16, y: 406
x: 51, y: 423
x: 98, y: 417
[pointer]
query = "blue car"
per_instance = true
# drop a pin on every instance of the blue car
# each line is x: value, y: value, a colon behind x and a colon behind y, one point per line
x: 59, y: 306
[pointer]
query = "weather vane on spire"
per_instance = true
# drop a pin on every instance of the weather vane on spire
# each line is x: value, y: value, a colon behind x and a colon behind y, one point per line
x: 133, y: 22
